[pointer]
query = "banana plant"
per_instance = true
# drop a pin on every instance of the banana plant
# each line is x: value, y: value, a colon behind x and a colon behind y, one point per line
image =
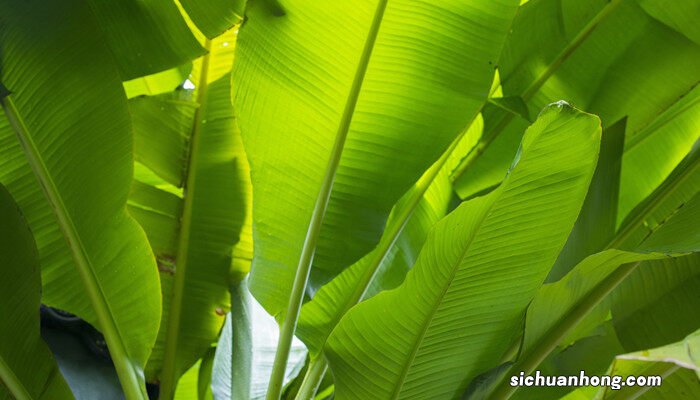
x: 387, y: 199
x: 68, y: 165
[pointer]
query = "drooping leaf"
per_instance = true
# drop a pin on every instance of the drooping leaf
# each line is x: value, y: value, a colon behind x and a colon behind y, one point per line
x: 68, y: 132
x: 560, y: 300
x: 459, y: 307
x: 145, y: 36
x: 246, y: 351
x: 291, y: 88
x: 27, y: 368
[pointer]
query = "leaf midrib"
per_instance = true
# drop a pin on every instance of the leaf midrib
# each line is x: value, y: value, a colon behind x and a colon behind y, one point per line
x: 438, y: 302
x: 125, y: 368
x: 308, y: 249
x: 174, y: 316
x: 13, y: 384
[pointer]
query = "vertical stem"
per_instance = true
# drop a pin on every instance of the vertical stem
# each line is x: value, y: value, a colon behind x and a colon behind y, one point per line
x: 169, y: 374
x: 12, y: 383
x: 307, y: 253
x: 312, y: 379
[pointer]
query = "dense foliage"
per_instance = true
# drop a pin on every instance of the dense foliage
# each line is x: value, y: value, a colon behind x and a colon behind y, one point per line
x: 367, y: 199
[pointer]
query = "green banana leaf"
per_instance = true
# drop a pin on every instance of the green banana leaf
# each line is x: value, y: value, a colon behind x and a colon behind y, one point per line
x: 559, y: 300
x: 562, y: 50
x: 194, y: 145
x: 389, y: 262
x: 145, y: 37
x: 658, y: 303
x: 641, y: 230
x: 67, y: 131
x: 214, y: 17
x: 676, y: 363
x: 298, y: 92
x: 461, y: 305
x: 679, y: 15
x: 597, y: 221
x: 680, y: 232
x: 27, y: 368
x: 246, y: 351
x: 657, y: 149
x: 162, y: 131
x: 552, y: 322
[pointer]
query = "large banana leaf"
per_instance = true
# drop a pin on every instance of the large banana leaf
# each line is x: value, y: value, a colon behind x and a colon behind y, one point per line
x: 386, y: 266
x: 194, y: 145
x: 27, y: 369
x: 460, y: 306
x: 551, y: 321
x: 299, y: 91
x: 563, y: 50
x: 69, y: 125
x: 145, y: 36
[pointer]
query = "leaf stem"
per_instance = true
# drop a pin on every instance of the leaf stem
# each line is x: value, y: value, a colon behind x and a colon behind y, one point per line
x: 309, y: 247
x: 130, y: 375
x: 169, y: 373
x: 312, y: 379
x: 12, y: 383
